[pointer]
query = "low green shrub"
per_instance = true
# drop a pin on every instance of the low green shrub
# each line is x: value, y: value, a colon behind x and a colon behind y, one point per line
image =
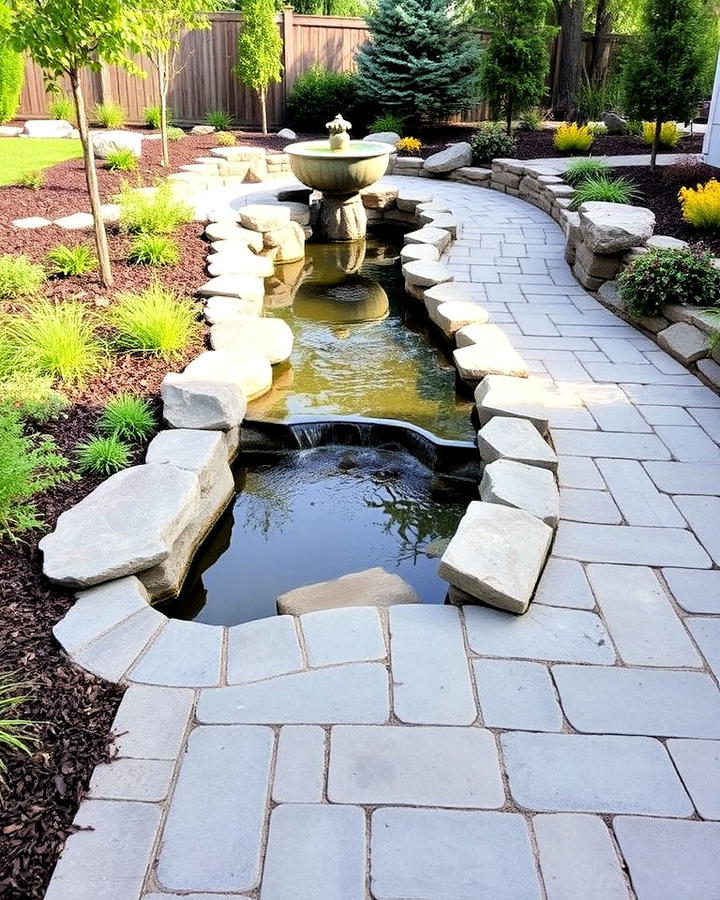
x: 318, y: 95
x: 669, y: 276
x: 154, y: 250
x: 33, y: 179
x: 28, y: 465
x: 597, y: 129
x: 151, y: 115
x: 16, y: 735
x: 103, y: 455
x: 33, y: 396
x: 110, y: 115
x: 388, y: 122
x: 491, y: 141
x: 61, y: 106
x: 157, y: 321
x: 603, y: 189
x: 128, y: 417
x: 59, y: 340
x: 19, y: 276
x: 77, y: 260
x: 156, y: 213
x: 122, y: 159
x: 582, y: 169
x: 531, y: 120
x: 219, y: 119
x: 225, y: 138
x: 175, y: 134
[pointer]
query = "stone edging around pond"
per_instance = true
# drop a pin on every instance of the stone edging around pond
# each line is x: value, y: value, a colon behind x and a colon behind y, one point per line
x: 147, y: 521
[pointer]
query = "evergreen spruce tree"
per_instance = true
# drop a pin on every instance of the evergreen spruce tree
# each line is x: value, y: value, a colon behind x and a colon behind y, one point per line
x: 665, y: 70
x: 516, y: 60
x: 259, y: 50
x: 12, y: 71
x: 421, y: 60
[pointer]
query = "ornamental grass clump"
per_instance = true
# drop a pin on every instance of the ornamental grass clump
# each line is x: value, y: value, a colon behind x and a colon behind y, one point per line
x: 573, y: 138
x: 669, y: 276
x: 388, y: 122
x: 701, y: 205
x: 603, y: 189
x: 34, y: 179
x: 110, y: 115
x: 19, y: 276
x: 77, y: 260
x: 157, y: 321
x: 61, y: 106
x: 670, y: 135
x: 103, y: 455
x: 156, y: 213
x: 128, y: 417
x: 154, y: 250
x: 581, y: 169
x: 121, y: 159
x: 16, y: 735
x: 218, y: 119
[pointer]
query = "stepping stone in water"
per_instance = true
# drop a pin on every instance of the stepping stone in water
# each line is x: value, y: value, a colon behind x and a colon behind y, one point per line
x: 503, y: 395
x: 456, y: 314
x: 224, y: 309
x: 232, y: 264
x: 273, y: 337
x: 201, y: 404
x: 245, y: 287
x: 250, y: 371
x: 516, y: 439
x: 426, y: 273
x: 485, y: 350
x: 419, y: 251
x: 429, y: 235
x: 373, y: 587
x: 264, y: 217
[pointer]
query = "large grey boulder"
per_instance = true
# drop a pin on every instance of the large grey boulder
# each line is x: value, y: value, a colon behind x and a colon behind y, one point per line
x: 48, y: 128
x: 373, y: 587
x: 207, y: 405
x: 522, y: 487
x: 250, y: 371
x: 222, y: 309
x: 615, y: 227
x: 287, y: 134
x: 614, y: 123
x: 273, y: 337
x: 497, y: 555
x: 454, y: 157
x: 383, y: 137
x: 503, y: 395
x: 106, y: 142
x: 506, y: 438
x: 264, y: 216
x: 126, y: 525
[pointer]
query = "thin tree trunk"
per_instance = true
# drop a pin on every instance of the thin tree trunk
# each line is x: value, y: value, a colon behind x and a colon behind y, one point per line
x: 603, y: 19
x: 92, y: 181
x: 656, y: 145
x: 163, y: 90
x: 508, y: 120
x: 264, y: 111
x: 570, y: 19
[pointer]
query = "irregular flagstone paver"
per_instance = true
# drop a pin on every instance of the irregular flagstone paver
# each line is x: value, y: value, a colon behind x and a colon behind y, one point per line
x: 422, y: 766
x: 698, y: 763
x: 609, y: 444
x: 112, y: 654
x: 452, y: 316
x: 132, y: 779
x: 151, y: 721
x: 437, y: 853
x: 668, y: 859
x: 315, y: 851
x: 637, y: 497
x: 335, y: 636
x: 516, y: 694
x: 348, y: 694
x: 563, y: 583
x: 523, y: 487
x: 514, y: 439
x: 684, y: 478
x: 695, y: 591
x: 186, y: 654
x: 232, y: 767
x: 262, y: 649
x: 578, y: 858
x: 615, y: 700
x: 706, y: 632
x: 503, y: 395
x: 593, y: 773
x: 300, y: 767
x: 627, y: 544
x: 702, y: 515
x: 642, y: 622
x: 430, y: 673
x: 488, y: 356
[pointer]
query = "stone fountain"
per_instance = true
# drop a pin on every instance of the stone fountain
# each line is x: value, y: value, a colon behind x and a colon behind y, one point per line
x: 339, y: 168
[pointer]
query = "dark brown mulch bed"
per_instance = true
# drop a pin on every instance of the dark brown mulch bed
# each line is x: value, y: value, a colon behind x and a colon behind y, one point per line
x: 537, y: 144
x: 658, y: 191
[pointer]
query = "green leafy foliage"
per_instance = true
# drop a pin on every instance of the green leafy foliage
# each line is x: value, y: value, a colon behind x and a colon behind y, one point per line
x: 59, y: 340
x: 110, y: 115
x: 582, y: 169
x: 77, y: 260
x: 156, y: 213
x: 60, y: 106
x: 318, y: 95
x: 103, y: 455
x: 34, y: 179
x: 33, y: 396
x: 154, y: 250
x: 593, y: 99
x: 490, y: 142
x: 669, y: 276
x: 122, y: 159
x: 19, y: 276
x: 225, y: 138
x: 128, y: 417
x: 16, y: 735
x: 157, y: 321
x: 28, y: 465
x: 515, y: 62
x: 388, y: 122
x: 12, y: 70
x: 531, y: 120
x: 175, y: 134
x: 219, y: 119
x: 259, y: 50
x: 420, y: 61
x: 151, y: 115
x: 603, y: 189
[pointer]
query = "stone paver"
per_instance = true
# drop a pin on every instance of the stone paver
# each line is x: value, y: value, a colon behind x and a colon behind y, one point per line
x: 132, y: 779
x: 343, y: 635
x: 578, y: 859
x: 695, y: 591
x: 432, y: 854
x: 563, y: 583
x: 516, y: 694
x: 627, y: 544
x: 185, y: 654
x: 151, y: 721
x: 300, y: 767
x: 706, y: 632
x: 698, y: 763
x: 424, y: 766
x: 262, y: 649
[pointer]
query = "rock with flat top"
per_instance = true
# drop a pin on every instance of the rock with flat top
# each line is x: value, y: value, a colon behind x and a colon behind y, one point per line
x: 245, y: 287
x: 516, y: 439
x: 264, y: 216
x: 209, y: 405
x: 409, y: 198
x: 497, y: 555
x: 426, y: 273
x: 240, y: 264
x: 383, y: 137
x: 454, y: 157
x: 285, y: 244
x: 48, y: 128
x: 380, y: 195
x: 485, y: 350
x: 273, y: 337
x: 456, y: 314
x: 419, y: 251
x: 223, y: 309
x: 665, y: 242
x: 372, y: 587
x: 438, y: 237
x: 126, y: 525
x: 240, y: 240
x: 106, y: 142
x: 504, y: 395
x: 683, y: 341
x: 443, y: 293
x: 251, y: 371
x: 230, y: 230
x: 615, y: 227
x: 525, y: 487
x: 287, y: 134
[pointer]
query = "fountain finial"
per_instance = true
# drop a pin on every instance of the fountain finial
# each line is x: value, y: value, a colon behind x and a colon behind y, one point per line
x: 338, y: 128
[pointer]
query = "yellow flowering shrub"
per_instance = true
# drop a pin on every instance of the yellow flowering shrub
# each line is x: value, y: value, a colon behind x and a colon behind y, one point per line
x: 670, y: 134
x: 409, y: 145
x: 701, y: 204
x: 573, y: 138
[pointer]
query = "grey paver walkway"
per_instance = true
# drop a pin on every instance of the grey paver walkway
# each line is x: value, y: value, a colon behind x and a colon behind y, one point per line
x: 580, y: 741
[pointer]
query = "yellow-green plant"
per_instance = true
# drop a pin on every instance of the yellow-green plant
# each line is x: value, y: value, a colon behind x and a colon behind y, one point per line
x: 77, y: 260
x: 154, y: 250
x: 701, y: 204
x: 670, y: 134
x: 225, y: 138
x: 157, y: 212
x: 409, y: 145
x: 157, y: 321
x: 19, y: 276
x: 61, y: 106
x: 573, y: 138
x: 122, y: 159
x: 102, y: 455
x: 33, y: 179
x: 33, y: 396
x: 128, y: 417
x: 110, y: 115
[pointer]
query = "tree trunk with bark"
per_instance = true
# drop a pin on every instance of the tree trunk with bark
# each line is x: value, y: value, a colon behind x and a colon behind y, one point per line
x: 570, y: 20
x: 656, y: 145
x: 163, y: 84
x: 91, y: 180
x: 603, y: 27
x: 263, y: 107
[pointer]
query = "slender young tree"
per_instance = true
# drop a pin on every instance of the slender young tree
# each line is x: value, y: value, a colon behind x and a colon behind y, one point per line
x: 66, y: 37
x: 165, y: 23
x: 516, y: 59
x: 664, y: 76
x: 259, y: 51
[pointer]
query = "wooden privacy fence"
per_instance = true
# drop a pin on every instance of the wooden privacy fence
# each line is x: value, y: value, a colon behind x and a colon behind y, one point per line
x: 206, y: 81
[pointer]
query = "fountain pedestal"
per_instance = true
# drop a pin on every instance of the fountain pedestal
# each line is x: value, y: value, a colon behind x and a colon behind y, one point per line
x: 342, y: 217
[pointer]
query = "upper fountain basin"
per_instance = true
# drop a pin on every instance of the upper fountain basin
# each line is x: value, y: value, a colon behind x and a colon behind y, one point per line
x: 346, y: 171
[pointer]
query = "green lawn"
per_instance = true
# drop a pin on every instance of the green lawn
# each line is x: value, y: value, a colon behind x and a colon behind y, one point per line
x: 21, y: 155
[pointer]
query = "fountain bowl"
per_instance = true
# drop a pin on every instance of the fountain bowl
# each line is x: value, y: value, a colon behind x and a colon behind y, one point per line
x: 338, y: 172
